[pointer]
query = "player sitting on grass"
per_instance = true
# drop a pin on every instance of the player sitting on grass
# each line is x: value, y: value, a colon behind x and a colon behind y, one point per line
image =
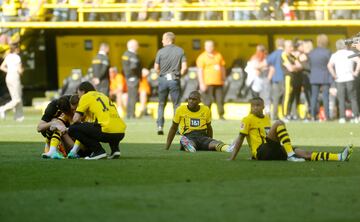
x: 273, y: 142
x: 195, y: 127
x: 58, y: 113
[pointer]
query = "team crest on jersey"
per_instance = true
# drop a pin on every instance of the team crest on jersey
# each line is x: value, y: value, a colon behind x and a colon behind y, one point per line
x: 242, y: 126
x: 194, y: 122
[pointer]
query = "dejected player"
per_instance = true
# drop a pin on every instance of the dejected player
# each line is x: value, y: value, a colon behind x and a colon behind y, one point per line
x: 273, y: 142
x: 194, y: 123
x: 107, y: 127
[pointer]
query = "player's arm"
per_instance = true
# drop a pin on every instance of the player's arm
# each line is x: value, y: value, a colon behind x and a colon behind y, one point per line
x: 43, y: 125
x: 209, y: 130
x: 237, y: 146
x: 357, y: 68
x: 77, y: 117
x: 171, y: 135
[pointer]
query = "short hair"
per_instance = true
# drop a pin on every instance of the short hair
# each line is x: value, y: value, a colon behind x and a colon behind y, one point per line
x: 130, y: 43
x: 63, y: 104
x: 86, y: 87
x: 170, y: 36
x: 279, y: 42
x: 340, y: 44
x: 322, y: 40
x: 104, y: 45
x: 256, y: 99
x: 74, y: 99
x: 195, y: 92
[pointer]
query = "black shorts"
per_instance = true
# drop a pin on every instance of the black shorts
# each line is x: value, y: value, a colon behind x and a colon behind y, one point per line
x: 271, y: 150
x: 200, y: 139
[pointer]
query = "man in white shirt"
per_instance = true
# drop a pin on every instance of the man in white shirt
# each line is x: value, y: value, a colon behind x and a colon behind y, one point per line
x: 13, y: 69
x: 342, y: 69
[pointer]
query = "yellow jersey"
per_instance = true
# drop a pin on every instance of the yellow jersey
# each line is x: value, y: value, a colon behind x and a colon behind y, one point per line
x: 192, y: 121
x: 256, y: 130
x: 103, y: 111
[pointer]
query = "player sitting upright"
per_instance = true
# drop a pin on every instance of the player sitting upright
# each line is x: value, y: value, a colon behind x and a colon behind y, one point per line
x: 57, y: 114
x: 273, y: 142
x: 195, y: 127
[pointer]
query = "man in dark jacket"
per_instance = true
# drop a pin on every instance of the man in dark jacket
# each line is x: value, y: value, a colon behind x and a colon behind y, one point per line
x: 100, y: 66
x: 132, y: 70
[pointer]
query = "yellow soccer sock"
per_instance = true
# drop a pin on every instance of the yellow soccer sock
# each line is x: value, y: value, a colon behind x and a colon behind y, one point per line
x: 55, y: 141
x: 284, y: 138
x: 317, y: 156
x: 76, y: 146
x: 220, y: 147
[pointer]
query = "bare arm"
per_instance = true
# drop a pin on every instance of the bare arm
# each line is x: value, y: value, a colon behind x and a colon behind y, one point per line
x: 271, y: 72
x: 201, y: 79
x: 157, y: 68
x: 42, y: 125
x: 223, y: 73
x: 171, y: 135
x: 183, y: 68
x: 209, y: 130
x: 238, y: 144
x: 331, y: 69
x: 77, y: 118
x: 357, y: 69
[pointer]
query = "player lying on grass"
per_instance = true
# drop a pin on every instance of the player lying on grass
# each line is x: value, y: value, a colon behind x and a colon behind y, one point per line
x: 273, y: 142
x: 194, y: 123
x: 58, y: 113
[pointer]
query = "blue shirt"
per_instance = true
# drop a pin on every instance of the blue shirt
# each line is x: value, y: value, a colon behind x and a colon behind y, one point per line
x: 274, y: 59
x: 319, y: 73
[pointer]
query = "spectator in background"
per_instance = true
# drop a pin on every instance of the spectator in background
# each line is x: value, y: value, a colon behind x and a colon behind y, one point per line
x: 320, y: 77
x: 276, y: 75
x: 60, y: 14
x: 342, y: 70
x: 304, y: 48
x: 100, y: 67
x: 293, y: 79
x: 170, y: 64
x: 118, y: 90
x: 132, y: 70
x: 13, y: 68
x: 255, y: 68
x: 144, y: 91
x: 212, y: 74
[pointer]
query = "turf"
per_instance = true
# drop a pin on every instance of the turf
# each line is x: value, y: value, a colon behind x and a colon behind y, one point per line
x: 151, y: 184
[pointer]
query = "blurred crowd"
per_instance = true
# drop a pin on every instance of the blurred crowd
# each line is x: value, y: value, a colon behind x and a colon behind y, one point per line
x: 298, y: 73
x: 67, y: 10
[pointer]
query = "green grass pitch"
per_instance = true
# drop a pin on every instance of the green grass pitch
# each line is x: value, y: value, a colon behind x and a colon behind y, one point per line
x: 151, y: 184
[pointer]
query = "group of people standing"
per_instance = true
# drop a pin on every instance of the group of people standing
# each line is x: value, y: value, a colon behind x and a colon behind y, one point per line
x: 296, y: 67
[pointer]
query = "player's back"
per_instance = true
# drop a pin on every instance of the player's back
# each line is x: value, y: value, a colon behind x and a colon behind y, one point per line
x: 103, y: 110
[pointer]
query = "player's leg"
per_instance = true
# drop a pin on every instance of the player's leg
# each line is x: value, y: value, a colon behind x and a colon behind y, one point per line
x: 163, y: 95
x: 54, y: 150
x: 188, y: 144
x: 87, y: 134
x: 344, y: 155
x: 217, y: 145
x: 278, y: 133
x: 114, y: 141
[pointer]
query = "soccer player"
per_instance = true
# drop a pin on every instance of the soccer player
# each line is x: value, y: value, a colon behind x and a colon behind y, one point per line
x: 108, y: 126
x: 195, y: 127
x: 57, y: 114
x: 273, y: 142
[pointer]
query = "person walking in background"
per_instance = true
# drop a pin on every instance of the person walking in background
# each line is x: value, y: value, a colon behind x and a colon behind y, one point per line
x: 320, y: 77
x: 144, y: 91
x: 342, y: 70
x: 276, y: 75
x: 100, y: 67
x: 13, y: 68
x: 118, y: 90
x: 170, y: 64
x: 132, y: 70
x: 212, y: 74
